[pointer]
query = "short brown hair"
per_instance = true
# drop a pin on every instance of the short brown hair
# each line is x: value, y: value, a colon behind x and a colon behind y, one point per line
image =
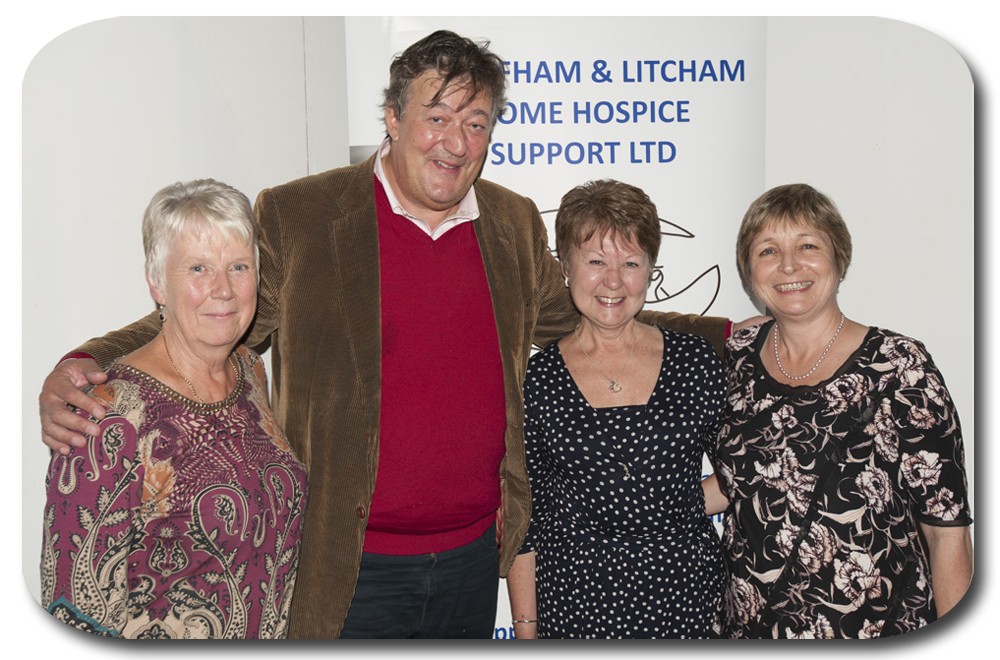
x: 796, y: 203
x: 456, y: 59
x: 607, y: 207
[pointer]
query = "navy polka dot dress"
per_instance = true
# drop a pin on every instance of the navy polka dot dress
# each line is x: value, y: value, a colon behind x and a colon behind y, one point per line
x: 623, y: 548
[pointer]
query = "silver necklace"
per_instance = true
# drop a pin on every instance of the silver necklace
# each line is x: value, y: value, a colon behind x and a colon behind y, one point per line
x: 828, y: 346
x: 613, y: 385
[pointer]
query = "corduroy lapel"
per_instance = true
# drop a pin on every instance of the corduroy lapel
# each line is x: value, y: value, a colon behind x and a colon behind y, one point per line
x: 355, y: 255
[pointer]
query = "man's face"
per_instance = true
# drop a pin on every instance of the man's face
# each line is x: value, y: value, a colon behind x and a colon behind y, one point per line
x: 437, y: 151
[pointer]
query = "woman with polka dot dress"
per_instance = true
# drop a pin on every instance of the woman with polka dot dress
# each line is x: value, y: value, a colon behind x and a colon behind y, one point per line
x: 618, y: 417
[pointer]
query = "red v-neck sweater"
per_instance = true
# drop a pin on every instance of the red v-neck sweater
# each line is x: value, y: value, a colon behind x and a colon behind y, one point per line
x: 442, y: 417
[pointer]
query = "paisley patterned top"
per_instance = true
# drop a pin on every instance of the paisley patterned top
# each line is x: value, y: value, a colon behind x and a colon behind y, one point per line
x: 180, y: 520
x: 879, y: 447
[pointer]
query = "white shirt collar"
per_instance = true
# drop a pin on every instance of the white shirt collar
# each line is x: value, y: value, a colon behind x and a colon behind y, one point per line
x: 467, y: 211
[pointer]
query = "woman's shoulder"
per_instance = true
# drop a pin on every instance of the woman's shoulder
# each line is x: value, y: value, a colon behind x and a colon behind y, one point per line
x: 682, y: 338
x: 124, y: 384
x: 249, y: 355
x: 544, y: 357
x: 542, y: 369
x: 254, y: 364
x: 126, y: 396
x: 884, y: 335
x: 682, y: 343
x: 885, y: 345
x: 747, y: 337
x: 901, y: 354
x: 693, y: 356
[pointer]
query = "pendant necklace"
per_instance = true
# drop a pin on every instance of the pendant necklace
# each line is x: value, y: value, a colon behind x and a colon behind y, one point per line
x: 613, y: 385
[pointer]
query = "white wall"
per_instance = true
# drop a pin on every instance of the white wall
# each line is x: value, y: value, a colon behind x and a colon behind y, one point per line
x: 876, y: 113
x: 117, y: 109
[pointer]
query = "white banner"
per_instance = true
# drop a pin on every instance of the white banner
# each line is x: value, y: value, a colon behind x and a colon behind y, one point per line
x: 672, y: 105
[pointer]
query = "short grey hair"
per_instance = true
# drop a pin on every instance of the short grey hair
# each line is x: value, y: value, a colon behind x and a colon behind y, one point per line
x: 210, y: 203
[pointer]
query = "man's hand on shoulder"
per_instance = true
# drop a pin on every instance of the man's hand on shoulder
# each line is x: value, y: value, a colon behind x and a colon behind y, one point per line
x: 63, y: 388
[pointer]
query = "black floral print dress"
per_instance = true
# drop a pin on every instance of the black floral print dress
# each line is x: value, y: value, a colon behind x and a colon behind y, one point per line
x: 826, y: 485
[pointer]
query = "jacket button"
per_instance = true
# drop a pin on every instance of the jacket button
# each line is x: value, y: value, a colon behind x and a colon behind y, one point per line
x: 360, y: 511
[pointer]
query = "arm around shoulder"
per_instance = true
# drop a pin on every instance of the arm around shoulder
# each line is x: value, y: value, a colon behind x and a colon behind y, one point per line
x: 712, y: 328
x: 63, y: 387
x: 121, y: 342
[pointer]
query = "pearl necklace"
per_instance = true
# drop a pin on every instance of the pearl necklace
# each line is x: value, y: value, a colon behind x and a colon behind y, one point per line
x: 613, y: 385
x: 828, y: 346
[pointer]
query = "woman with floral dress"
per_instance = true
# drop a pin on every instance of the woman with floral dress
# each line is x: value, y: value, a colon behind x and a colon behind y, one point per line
x: 838, y: 448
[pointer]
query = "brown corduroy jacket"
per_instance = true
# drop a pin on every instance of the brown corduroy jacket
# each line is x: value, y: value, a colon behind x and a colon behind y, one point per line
x: 319, y: 305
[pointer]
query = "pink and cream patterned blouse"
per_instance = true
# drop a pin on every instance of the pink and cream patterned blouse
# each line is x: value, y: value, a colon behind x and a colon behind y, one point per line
x: 827, y: 484
x: 180, y: 520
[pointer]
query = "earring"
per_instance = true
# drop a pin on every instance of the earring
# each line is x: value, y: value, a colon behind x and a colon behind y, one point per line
x: 567, y: 282
x: 162, y: 317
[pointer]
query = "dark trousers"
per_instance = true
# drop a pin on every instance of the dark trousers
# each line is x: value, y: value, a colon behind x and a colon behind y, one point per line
x: 451, y: 594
